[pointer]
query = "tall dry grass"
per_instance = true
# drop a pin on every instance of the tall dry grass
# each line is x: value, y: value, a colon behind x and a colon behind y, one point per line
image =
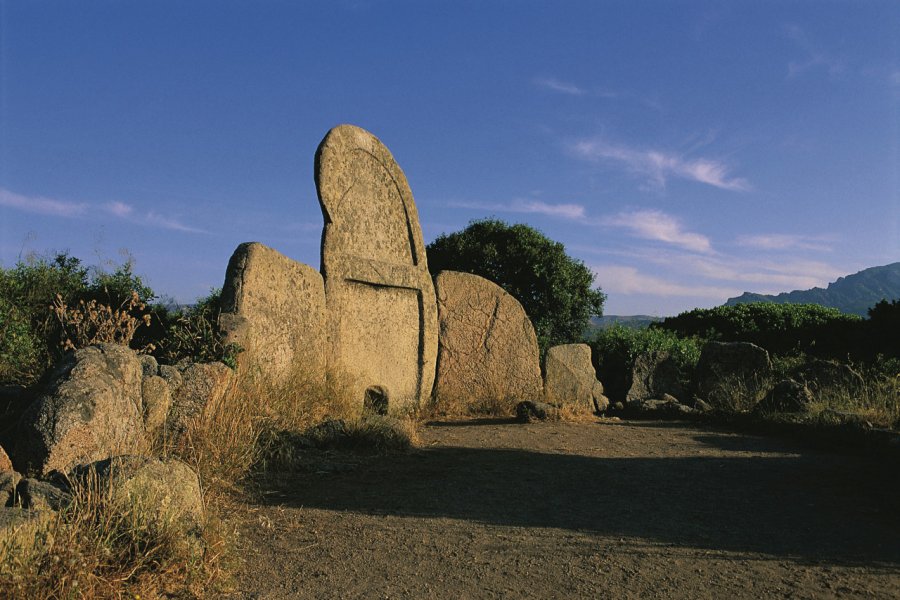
x: 103, y: 545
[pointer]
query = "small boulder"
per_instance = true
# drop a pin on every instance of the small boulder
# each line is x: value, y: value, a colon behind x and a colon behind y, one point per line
x: 787, y: 396
x: 654, y: 374
x: 732, y: 375
x: 167, y: 489
x: 667, y: 407
x: 570, y: 378
x: 157, y: 400
x: 172, y: 376
x: 149, y: 366
x: 21, y: 525
x: 35, y: 494
x: 528, y: 411
x: 90, y: 410
x: 8, y: 482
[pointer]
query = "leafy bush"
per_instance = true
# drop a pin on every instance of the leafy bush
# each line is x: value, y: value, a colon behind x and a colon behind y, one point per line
x: 30, y: 327
x: 554, y: 288
x: 194, y: 334
x: 779, y: 328
x: 615, y: 349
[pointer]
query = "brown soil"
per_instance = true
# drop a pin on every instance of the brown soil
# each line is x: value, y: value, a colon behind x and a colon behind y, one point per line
x: 591, y: 510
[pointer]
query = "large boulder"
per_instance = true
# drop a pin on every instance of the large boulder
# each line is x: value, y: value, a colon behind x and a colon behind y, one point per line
x: 654, y: 374
x: 202, y: 384
x: 733, y: 375
x: 91, y: 409
x: 488, y: 348
x: 569, y: 378
x: 274, y: 309
x: 382, y: 318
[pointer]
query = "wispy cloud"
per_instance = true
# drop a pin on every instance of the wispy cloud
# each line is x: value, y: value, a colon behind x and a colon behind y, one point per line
x: 658, y: 166
x: 814, y: 57
x: 563, y: 87
x: 564, y: 211
x: 69, y: 210
x: 659, y: 226
x: 627, y: 280
x: 40, y: 205
x: 785, y: 241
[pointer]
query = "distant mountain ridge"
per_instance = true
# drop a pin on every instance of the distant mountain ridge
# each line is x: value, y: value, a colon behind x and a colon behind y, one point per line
x: 853, y: 294
x: 631, y: 321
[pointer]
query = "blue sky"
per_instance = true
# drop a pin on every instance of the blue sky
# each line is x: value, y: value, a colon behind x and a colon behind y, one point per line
x: 685, y: 151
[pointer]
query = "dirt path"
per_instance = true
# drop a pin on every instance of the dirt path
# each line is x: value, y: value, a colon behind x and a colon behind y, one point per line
x: 599, y: 510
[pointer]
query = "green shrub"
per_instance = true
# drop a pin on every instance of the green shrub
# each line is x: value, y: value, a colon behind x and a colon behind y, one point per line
x: 194, y: 334
x: 779, y: 328
x: 556, y: 290
x: 20, y: 347
x: 615, y: 349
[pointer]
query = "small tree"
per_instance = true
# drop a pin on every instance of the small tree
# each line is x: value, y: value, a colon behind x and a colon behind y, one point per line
x: 554, y: 288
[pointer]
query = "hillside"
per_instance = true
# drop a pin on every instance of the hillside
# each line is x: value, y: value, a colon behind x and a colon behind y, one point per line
x: 853, y: 294
x: 631, y: 321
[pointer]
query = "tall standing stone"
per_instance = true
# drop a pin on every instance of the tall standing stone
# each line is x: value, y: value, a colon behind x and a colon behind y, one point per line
x: 381, y: 312
x: 488, y: 348
x: 274, y: 308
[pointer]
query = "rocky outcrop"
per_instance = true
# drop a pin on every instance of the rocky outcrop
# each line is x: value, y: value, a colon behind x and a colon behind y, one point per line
x: 274, y: 309
x: 654, y: 374
x: 732, y: 372
x: 35, y: 494
x: 382, y: 318
x: 92, y: 409
x: 488, y: 348
x: 569, y: 378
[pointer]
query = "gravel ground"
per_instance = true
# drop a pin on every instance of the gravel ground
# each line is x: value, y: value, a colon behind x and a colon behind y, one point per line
x: 491, y: 509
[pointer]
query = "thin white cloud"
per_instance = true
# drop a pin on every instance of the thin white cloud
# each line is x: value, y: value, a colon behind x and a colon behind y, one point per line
x: 618, y: 279
x: 658, y: 166
x: 659, y: 226
x: 120, y: 209
x: 65, y: 209
x: 564, y: 211
x: 784, y: 241
x: 562, y: 87
x: 814, y: 57
x: 40, y: 205
x: 158, y: 220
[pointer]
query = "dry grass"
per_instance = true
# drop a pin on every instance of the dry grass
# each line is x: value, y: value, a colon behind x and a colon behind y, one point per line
x: 876, y: 402
x: 101, y: 546
x: 94, y: 323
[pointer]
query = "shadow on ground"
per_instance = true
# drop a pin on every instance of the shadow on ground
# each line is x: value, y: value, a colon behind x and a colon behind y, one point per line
x: 777, y: 500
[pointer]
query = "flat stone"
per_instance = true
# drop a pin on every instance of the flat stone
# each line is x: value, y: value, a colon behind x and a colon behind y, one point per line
x: 274, y: 308
x: 488, y: 348
x: 381, y: 311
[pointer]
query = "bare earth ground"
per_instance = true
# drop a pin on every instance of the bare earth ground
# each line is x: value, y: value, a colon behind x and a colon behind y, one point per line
x: 591, y: 510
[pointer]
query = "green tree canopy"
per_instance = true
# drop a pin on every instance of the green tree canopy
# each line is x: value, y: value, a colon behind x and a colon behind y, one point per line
x: 555, y: 289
